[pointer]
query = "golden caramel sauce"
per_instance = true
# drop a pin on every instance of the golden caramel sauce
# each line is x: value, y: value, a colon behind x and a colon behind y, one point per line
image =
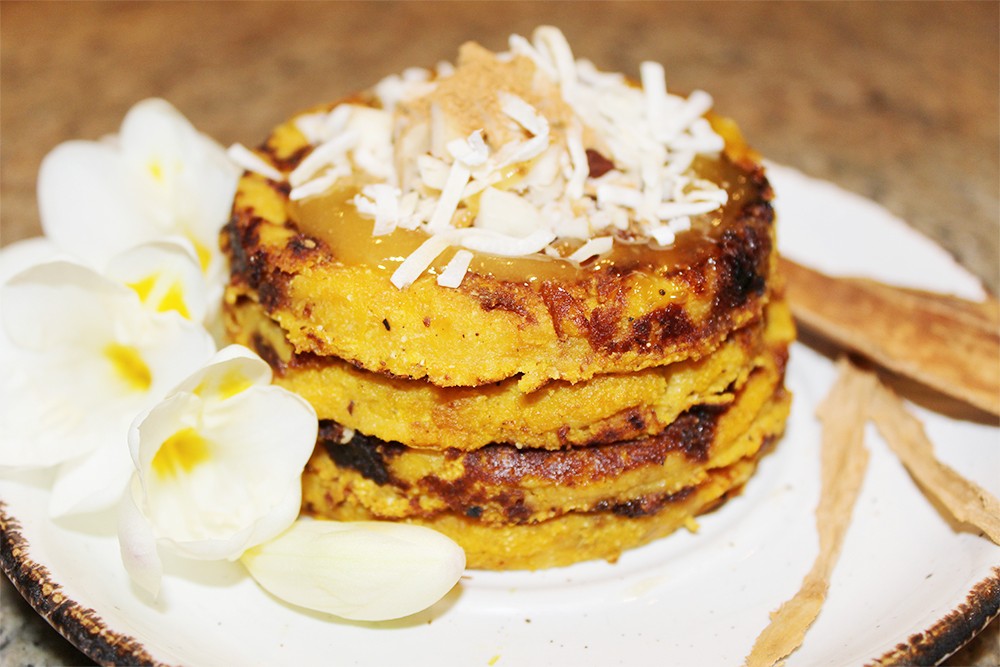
x: 333, y: 219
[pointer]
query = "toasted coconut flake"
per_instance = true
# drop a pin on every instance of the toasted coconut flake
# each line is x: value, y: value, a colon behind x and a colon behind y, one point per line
x: 504, y: 212
x: 472, y: 151
x: 455, y: 271
x: 965, y: 500
x: 381, y: 201
x: 247, y: 159
x: 317, y: 186
x: 843, y: 462
x: 322, y: 156
x: 484, y: 240
x: 458, y: 176
x: 418, y: 261
x: 678, y: 209
x: 592, y: 248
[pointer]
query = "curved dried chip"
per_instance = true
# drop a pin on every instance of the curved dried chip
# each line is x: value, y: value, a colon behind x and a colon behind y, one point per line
x: 844, y: 460
x: 965, y: 500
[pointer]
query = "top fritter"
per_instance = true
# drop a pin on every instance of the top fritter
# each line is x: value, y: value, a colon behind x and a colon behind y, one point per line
x: 519, y: 214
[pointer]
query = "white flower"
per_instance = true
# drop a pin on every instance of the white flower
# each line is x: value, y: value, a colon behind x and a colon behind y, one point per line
x: 164, y: 277
x: 364, y: 571
x: 159, y: 177
x: 24, y: 254
x: 217, y: 466
x: 81, y: 356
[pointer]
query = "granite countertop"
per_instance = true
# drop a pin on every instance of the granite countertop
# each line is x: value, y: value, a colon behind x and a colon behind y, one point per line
x: 895, y: 101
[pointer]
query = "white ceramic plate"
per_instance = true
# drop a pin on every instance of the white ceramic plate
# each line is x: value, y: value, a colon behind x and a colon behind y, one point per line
x: 908, y: 585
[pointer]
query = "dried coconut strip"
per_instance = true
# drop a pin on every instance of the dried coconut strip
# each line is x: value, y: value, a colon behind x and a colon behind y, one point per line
x: 323, y: 156
x: 458, y: 176
x: 578, y: 158
x: 250, y: 161
x: 965, y: 500
x: 418, y: 261
x: 592, y: 248
x: 843, y: 462
x: 454, y: 272
x: 676, y: 209
x: 551, y: 42
x: 317, y: 186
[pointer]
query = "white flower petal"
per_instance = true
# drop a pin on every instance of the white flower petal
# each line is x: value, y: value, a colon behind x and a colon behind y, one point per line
x: 40, y: 301
x: 137, y: 543
x: 160, y: 177
x: 231, y: 546
x: 176, y: 162
x: 93, y: 482
x: 231, y: 370
x: 39, y: 428
x: 25, y: 254
x: 369, y: 571
x: 84, y: 202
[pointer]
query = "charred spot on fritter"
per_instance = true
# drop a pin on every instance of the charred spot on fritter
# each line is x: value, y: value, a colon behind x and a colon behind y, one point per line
x: 266, y: 351
x: 563, y: 309
x: 502, y: 297
x: 302, y: 246
x: 646, y: 505
x: 742, y: 265
x: 694, y: 430
x: 272, y: 291
x: 360, y: 453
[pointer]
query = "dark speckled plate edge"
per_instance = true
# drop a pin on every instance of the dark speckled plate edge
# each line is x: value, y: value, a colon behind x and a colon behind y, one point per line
x: 86, y: 630
x: 952, y: 632
x: 80, y: 625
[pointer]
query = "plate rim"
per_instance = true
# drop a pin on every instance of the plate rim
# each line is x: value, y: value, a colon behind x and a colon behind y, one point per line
x: 84, y: 628
x: 80, y: 625
x: 953, y: 630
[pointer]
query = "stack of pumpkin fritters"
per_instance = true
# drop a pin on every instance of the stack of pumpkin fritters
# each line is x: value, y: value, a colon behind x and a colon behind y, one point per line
x: 545, y: 410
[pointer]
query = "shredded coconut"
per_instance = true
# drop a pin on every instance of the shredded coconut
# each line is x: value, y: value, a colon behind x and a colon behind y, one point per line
x: 592, y: 248
x: 247, y: 159
x: 504, y: 142
x: 455, y: 271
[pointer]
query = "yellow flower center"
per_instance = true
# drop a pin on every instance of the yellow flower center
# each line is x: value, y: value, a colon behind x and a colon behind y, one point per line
x: 129, y: 366
x: 204, y: 254
x: 181, y: 452
x: 156, y: 171
x: 232, y: 383
x: 170, y: 299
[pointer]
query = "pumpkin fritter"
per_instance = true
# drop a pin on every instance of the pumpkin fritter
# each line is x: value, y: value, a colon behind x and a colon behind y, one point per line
x: 500, y: 485
x: 604, y: 409
x: 579, y: 536
x: 317, y: 270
